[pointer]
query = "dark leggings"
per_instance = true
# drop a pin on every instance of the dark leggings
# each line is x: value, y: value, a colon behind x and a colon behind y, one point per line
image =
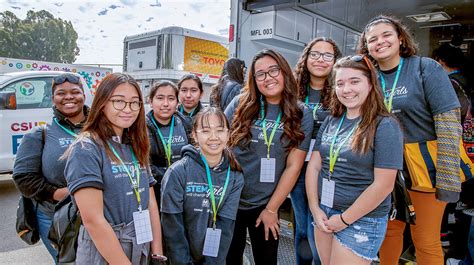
x: 264, y: 252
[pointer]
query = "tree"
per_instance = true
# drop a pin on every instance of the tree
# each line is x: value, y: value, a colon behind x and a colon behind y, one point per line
x: 39, y: 36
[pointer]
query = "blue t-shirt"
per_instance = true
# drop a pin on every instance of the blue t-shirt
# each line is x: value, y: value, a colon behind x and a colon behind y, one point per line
x: 353, y: 173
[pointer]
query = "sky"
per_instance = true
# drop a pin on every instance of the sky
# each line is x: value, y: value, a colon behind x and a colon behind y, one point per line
x: 103, y: 24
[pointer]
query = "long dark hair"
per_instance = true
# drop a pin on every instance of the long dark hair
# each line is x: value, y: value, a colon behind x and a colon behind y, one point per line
x: 202, y: 118
x: 249, y: 105
x: 372, y: 107
x: 233, y: 70
x: 99, y: 128
x: 302, y: 74
x: 407, y: 48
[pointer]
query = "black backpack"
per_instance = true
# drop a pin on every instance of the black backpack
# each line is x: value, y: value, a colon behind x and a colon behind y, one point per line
x: 65, y: 230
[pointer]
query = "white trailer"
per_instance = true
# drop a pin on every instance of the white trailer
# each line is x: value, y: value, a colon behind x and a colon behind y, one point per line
x: 171, y: 52
x: 288, y: 25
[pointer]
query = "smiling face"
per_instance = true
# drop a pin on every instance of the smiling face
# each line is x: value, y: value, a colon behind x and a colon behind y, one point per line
x: 211, y: 136
x: 320, y: 68
x: 122, y: 119
x: 383, y: 42
x: 68, y: 98
x: 273, y: 85
x: 189, y: 94
x: 352, y: 88
x: 164, y: 103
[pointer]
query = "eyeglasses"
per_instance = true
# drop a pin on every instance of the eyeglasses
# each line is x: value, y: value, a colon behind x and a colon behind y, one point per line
x: 57, y: 80
x: 327, y: 57
x: 219, y: 132
x: 119, y: 104
x: 273, y: 72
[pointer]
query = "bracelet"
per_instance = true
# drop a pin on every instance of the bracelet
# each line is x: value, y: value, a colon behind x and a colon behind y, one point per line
x: 270, y: 211
x: 159, y: 257
x: 343, y: 220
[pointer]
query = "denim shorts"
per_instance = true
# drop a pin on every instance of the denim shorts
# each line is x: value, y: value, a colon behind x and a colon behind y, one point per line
x: 364, y: 237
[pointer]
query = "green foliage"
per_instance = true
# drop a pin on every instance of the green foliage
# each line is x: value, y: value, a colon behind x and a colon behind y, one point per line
x: 39, y: 36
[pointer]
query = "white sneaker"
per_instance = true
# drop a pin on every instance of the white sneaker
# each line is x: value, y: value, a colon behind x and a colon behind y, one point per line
x: 468, y: 211
x: 452, y: 261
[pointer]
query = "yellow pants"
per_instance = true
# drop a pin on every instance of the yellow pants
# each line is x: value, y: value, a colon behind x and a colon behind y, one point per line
x: 425, y: 234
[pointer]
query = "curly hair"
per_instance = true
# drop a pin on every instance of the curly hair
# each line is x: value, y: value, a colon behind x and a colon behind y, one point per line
x: 372, y: 107
x: 407, y: 48
x: 303, y: 76
x: 249, y: 106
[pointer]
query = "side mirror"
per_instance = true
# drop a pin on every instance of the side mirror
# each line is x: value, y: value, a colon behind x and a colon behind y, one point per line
x: 7, y: 100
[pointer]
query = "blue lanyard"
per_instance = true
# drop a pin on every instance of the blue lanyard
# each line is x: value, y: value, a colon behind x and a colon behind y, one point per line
x: 306, y: 101
x: 135, y: 182
x: 73, y: 134
x: 170, y: 138
x: 388, y: 101
x: 211, y: 191
x: 181, y: 109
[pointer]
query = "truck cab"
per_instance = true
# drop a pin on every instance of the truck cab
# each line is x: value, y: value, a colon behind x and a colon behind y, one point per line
x: 25, y: 102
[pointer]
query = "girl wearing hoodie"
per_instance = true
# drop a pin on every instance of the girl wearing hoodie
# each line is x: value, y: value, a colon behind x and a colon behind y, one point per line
x: 200, y: 195
x: 168, y: 130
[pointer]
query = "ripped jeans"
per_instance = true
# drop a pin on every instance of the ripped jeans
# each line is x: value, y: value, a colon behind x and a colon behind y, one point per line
x: 363, y: 237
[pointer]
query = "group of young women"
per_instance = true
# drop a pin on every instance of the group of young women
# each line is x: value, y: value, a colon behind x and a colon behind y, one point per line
x: 329, y: 134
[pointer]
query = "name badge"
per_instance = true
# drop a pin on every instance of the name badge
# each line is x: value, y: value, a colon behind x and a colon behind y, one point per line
x: 212, y: 242
x: 310, y: 151
x: 327, y: 192
x: 267, y: 170
x: 142, y: 223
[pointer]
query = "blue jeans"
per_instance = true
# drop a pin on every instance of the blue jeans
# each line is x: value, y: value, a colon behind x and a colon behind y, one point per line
x: 469, y: 260
x: 363, y: 237
x: 305, y: 246
x: 44, y: 224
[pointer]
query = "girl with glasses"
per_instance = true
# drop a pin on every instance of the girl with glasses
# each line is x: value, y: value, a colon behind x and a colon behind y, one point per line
x: 312, y: 77
x: 108, y: 175
x: 201, y: 194
x: 229, y: 84
x: 353, y: 166
x: 270, y: 135
x: 420, y: 94
x: 168, y: 130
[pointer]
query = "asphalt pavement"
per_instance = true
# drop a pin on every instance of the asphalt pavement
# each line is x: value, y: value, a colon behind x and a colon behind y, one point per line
x: 12, y: 249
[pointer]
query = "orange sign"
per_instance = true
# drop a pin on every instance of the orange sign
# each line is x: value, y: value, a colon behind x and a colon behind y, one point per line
x: 203, y: 56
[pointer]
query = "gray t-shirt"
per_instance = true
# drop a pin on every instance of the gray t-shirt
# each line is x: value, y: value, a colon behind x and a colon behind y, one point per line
x: 185, y: 190
x: 318, y: 112
x: 353, y: 173
x: 420, y: 96
x: 256, y: 193
x: 30, y: 158
x: 88, y: 165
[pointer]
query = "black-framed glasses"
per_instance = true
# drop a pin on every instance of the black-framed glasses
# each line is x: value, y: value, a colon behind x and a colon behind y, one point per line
x: 327, y: 56
x: 273, y: 72
x: 120, y: 104
x: 60, y: 79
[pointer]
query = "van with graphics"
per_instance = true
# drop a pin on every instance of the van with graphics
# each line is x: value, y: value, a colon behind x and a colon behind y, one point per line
x: 25, y: 102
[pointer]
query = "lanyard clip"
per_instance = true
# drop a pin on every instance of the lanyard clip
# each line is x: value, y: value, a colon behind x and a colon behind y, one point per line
x: 140, y: 207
